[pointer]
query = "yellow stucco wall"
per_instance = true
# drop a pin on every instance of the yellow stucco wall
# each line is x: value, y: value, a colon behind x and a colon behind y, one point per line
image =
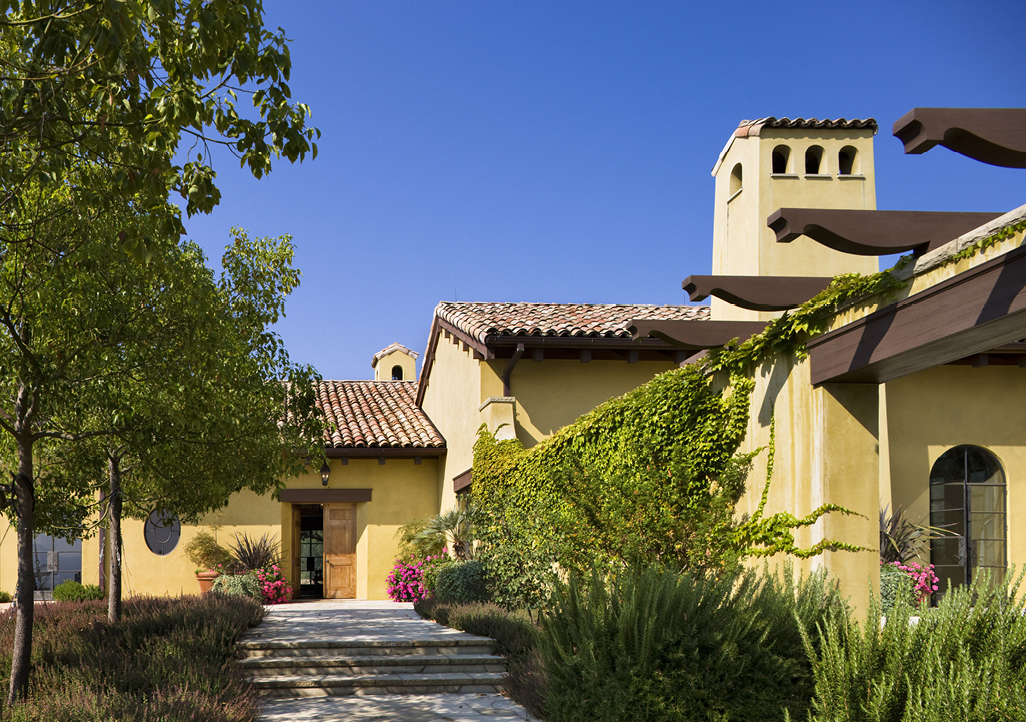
x: 937, y: 409
x: 401, y: 490
x: 553, y: 393
x: 451, y: 400
x: 826, y: 451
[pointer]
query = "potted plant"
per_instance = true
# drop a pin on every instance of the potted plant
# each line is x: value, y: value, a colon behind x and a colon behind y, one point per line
x: 211, y: 558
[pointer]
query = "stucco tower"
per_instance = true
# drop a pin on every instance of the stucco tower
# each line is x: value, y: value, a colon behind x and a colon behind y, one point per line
x: 395, y: 362
x: 781, y: 163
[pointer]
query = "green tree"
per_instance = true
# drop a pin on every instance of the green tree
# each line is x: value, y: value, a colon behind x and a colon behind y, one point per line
x: 97, y: 100
x: 201, y: 415
x: 120, y: 85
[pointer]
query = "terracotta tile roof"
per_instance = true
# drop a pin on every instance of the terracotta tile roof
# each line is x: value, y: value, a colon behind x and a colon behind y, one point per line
x: 752, y: 127
x: 481, y: 320
x: 375, y: 414
x: 389, y: 349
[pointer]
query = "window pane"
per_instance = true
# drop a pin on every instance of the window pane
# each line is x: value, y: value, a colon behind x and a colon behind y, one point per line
x: 69, y: 562
x: 947, y: 552
x: 987, y: 498
x: 953, y: 520
x: 987, y: 526
x: 949, y: 467
x: 982, y: 467
x: 988, y: 553
x: 59, y: 545
x: 949, y: 578
x: 947, y: 496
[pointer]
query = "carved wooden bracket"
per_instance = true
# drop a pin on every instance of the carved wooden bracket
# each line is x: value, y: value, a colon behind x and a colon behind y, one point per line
x: 695, y: 335
x: 875, y: 233
x: 757, y: 293
x: 990, y: 135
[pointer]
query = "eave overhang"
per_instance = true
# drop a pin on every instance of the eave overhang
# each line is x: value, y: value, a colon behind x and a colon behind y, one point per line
x: 757, y: 293
x: 976, y: 311
x: 875, y: 233
x: 388, y: 452
x: 696, y: 335
x: 996, y: 136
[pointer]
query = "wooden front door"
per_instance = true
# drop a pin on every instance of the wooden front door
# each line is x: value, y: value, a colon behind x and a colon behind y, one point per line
x: 339, y: 551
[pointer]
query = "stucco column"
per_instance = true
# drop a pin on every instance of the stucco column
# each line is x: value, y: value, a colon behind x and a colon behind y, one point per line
x: 846, y: 471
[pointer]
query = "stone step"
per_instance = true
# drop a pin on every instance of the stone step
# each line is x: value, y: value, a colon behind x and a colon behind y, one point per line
x: 365, y: 648
x: 371, y: 664
x: 328, y: 685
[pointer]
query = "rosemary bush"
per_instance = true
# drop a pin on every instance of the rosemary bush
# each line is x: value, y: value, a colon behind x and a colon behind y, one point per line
x: 965, y: 661
x: 653, y: 644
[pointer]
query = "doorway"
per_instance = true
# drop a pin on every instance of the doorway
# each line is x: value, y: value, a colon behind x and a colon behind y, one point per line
x: 311, y: 552
x: 324, y: 551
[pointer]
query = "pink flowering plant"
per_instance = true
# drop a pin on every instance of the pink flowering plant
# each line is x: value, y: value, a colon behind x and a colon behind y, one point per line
x: 924, y: 580
x: 409, y: 580
x: 274, y: 585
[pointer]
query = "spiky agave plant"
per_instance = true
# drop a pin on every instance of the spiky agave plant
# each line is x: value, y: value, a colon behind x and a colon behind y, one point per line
x: 902, y: 540
x: 255, y: 554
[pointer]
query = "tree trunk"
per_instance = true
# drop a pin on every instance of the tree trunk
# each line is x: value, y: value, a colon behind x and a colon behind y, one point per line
x: 24, y: 598
x: 114, y: 590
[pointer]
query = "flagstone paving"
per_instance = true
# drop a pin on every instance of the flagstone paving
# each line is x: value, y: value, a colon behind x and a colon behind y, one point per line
x: 309, y: 634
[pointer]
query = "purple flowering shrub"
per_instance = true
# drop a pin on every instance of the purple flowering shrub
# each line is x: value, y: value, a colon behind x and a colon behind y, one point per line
x: 406, y: 581
x: 274, y: 585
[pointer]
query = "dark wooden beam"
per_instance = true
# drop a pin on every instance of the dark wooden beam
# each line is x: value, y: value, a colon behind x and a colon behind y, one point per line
x: 696, y: 335
x: 462, y: 482
x: 978, y: 310
x: 324, y: 496
x: 757, y: 293
x: 996, y: 136
x: 875, y: 233
x: 585, y: 355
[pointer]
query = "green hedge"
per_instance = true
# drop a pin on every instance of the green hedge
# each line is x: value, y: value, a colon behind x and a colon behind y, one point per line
x: 461, y: 582
x: 72, y: 591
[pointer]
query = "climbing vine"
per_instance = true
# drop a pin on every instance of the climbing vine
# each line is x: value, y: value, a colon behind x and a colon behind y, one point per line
x: 656, y: 473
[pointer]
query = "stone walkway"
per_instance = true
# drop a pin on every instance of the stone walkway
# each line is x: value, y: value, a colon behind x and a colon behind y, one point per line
x: 371, y: 622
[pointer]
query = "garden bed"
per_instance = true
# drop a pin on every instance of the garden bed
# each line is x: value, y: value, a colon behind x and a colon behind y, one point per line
x: 168, y: 659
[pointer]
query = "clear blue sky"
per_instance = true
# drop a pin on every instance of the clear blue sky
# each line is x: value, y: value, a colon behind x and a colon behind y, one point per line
x: 525, y: 151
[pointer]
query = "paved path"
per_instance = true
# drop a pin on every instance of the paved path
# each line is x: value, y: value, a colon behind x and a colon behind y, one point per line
x: 371, y: 621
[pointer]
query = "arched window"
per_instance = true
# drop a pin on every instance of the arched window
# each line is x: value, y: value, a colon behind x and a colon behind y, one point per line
x: 814, y: 160
x: 781, y: 159
x: 735, y: 179
x: 162, y: 531
x: 967, y: 499
x: 397, y: 373
x: 847, y: 161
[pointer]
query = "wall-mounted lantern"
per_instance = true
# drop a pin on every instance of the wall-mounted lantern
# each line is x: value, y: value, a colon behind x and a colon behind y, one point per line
x: 325, y: 473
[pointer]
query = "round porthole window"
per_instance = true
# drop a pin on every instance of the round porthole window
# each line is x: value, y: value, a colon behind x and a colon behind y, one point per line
x: 162, y: 530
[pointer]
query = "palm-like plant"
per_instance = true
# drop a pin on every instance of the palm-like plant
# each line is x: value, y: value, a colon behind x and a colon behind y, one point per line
x: 255, y: 554
x: 902, y: 540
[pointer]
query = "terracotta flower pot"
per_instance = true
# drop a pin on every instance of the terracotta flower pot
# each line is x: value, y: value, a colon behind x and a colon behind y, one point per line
x: 206, y: 579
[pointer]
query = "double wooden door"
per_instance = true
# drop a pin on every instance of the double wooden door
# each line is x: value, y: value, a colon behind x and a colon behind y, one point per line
x: 339, y: 551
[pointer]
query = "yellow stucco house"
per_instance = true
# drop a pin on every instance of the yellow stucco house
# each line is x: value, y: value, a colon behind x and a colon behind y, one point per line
x: 398, y: 448
x: 913, y: 399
